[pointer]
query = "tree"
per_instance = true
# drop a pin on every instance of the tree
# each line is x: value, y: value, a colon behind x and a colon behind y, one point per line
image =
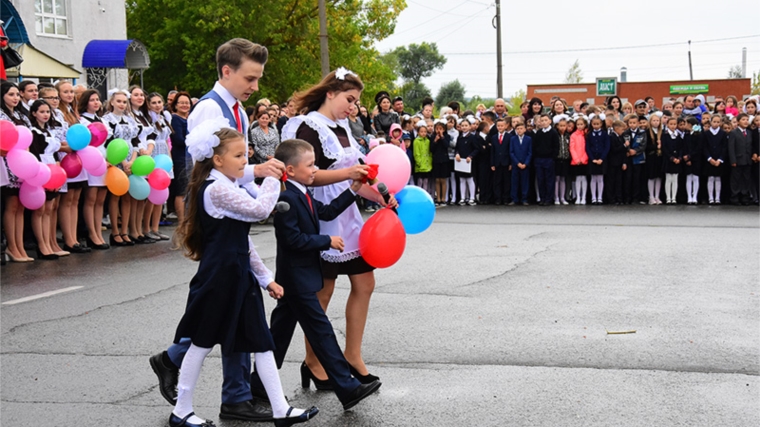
x: 756, y: 83
x: 182, y: 38
x: 735, y: 72
x: 451, y: 91
x: 574, y: 74
x: 418, y: 61
x: 515, y: 101
x: 413, y: 93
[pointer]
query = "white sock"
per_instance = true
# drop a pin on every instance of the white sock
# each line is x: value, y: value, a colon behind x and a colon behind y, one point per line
x: 593, y: 188
x: 668, y: 180
x: 577, y: 189
x: 711, y: 188
x: 584, y: 188
x: 657, y: 188
x: 717, y: 189
x: 650, y: 187
x: 562, y: 188
x: 266, y: 368
x: 188, y: 377
x: 471, y: 188
x: 695, y: 187
x: 600, y: 184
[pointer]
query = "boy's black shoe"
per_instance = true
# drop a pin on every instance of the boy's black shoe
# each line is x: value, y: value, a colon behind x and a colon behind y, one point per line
x: 250, y: 410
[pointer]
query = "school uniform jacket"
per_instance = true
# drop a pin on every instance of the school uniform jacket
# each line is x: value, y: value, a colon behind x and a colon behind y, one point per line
x: 545, y: 144
x: 483, y: 146
x: 597, y: 145
x: 440, y: 148
x: 740, y: 147
x: 616, y: 156
x: 672, y: 148
x: 715, y: 146
x: 692, y: 147
x: 299, y: 266
x: 500, y: 150
x: 466, y: 146
x: 520, y: 152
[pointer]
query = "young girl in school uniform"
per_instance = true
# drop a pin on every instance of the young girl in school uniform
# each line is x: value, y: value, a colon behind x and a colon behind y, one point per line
x: 465, y: 150
x: 562, y: 162
x: 162, y: 129
x: 439, y: 146
x: 692, y: 159
x: 145, y: 147
x: 715, y: 153
x: 579, y: 159
x: 44, y: 146
x: 672, y: 147
x: 597, y: 148
x: 654, y: 159
x: 123, y: 126
x: 89, y: 108
x: 225, y: 305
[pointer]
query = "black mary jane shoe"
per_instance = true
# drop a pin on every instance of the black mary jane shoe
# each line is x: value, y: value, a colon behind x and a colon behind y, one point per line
x: 175, y: 421
x: 139, y: 240
x: 364, y: 379
x: 93, y: 245
x: 76, y: 249
x: 114, y: 242
x: 288, y: 421
x: 129, y: 242
x: 307, y: 376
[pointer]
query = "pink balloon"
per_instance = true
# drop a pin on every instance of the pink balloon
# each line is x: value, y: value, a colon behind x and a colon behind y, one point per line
x: 23, y: 164
x: 100, y: 170
x: 41, y: 178
x: 24, y: 138
x: 91, y: 158
x: 158, y: 197
x: 31, y: 196
x: 394, y: 170
x: 57, y: 178
x: 99, y: 134
x: 8, y: 135
x: 159, y: 179
x: 72, y: 164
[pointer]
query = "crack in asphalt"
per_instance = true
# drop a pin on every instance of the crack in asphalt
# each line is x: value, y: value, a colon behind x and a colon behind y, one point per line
x: 513, y: 268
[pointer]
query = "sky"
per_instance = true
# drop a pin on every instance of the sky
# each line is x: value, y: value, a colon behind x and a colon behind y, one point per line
x: 542, y: 40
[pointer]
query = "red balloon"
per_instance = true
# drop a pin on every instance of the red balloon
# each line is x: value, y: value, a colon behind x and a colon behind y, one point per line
x: 57, y: 177
x: 99, y: 133
x: 72, y: 164
x: 382, y: 239
x: 8, y: 135
x: 159, y: 179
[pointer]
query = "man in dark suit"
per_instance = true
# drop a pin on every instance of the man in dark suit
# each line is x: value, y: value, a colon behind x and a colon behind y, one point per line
x: 500, y: 162
x: 740, y: 158
x: 299, y: 272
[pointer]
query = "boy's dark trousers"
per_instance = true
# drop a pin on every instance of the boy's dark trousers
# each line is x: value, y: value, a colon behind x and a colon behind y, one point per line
x: 637, y: 183
x: 520, y: 184
x: 545, y: 176
x: 502, y: 183
x: 485, y: 181
x: 740, y: 184
x: 614, y: 184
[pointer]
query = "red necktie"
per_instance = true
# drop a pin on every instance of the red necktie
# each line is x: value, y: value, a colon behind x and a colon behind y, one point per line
x: 501, y: 135
x: 308, y: 199
x: 237, y: 118
x: 744, y: 132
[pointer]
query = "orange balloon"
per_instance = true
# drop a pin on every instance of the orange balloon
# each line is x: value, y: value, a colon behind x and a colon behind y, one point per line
x: 117, y: 181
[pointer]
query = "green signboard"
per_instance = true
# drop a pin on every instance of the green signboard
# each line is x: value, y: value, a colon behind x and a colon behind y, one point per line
x: 684, y: 89
x: 606, y: 87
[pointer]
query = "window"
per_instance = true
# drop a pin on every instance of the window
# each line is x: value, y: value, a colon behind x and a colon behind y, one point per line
x: 50, y: 17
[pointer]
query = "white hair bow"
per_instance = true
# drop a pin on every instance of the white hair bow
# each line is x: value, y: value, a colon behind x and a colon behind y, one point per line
x: 114, y: 91
x: 202, y: 140
x: 342, y: 72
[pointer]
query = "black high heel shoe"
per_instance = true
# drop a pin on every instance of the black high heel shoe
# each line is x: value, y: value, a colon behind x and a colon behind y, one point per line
x: 287, y: 421
x: 124, y: 237
x: 92, y: 245
x: 307, y: 375
x: 364, y: 379
x: 49, y: 257
x: 114, y: 242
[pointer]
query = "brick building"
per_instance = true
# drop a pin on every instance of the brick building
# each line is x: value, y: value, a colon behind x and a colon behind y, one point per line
x: 631, y: 91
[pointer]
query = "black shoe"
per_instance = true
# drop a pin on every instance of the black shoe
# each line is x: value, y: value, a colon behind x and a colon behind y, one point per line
x: 76, y: 249
x: 364, y: 379
x: 307, y: 375
x: 168, y: 377
x: 92, y: 245
x: 250, y: 410
x: 175, y: 421
x: 129, y: 242
x: 48, y: 257
x: 359, y: 394
x: 115, y: 243
x: 287, y: 421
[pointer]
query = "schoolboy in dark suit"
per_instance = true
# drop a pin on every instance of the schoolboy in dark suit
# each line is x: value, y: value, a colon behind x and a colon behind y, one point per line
x: 520, y: 150
x: 616, y: 162
x: 500, y: 162
x: 740, y: 158
x: 299, y: 272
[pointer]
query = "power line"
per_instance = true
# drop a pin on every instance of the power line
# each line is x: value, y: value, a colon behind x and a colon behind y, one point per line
x: 431, y: 19
x: 516, y: 52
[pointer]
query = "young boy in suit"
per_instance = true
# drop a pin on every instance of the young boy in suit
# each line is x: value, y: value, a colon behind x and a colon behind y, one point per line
x: 740, y: 159
x: 616, y: 163
x: 299, y: 272
x: 500, y: 162
x: 520, y: 148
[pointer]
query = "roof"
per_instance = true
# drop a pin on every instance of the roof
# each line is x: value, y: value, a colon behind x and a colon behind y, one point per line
x: 39, y: 64
x: 12, y: 24
x: 130, y: 54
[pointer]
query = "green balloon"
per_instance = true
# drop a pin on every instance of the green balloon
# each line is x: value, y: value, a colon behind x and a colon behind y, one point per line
x: 143, y: 165
x: 117, y: 151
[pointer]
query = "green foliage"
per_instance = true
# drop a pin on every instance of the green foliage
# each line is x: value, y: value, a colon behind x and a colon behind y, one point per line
x: 413, y: 93
x: 418, y: 61
x: 755, y: 83
x: 182, y: 38
x: 574, y: 74
x: 514, y: 102
x: 451, y: 91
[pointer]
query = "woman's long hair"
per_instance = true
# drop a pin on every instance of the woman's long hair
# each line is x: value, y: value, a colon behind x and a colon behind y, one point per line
x: 189, y: 234
x: 159, y: 124
x: 313, y: 98
x: 84, y: 100
x: 69, y: 110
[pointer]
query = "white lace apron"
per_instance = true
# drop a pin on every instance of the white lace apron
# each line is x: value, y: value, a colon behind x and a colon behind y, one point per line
x: 348, y: 224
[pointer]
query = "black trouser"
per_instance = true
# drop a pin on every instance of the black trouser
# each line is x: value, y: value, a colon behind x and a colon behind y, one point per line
x: 636, y: 184
x: 740, y: 183
x: 485, y: 182
x: 755, y: 177
x: 545, y: 176
x: 614, y: 184
x: 502, y: 184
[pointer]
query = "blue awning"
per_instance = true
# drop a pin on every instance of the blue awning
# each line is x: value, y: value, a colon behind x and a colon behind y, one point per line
x: 13, y: 26
x: 129, y: 54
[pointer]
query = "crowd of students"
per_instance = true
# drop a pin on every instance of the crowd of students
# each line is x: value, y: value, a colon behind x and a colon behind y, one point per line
x: 551, y: 155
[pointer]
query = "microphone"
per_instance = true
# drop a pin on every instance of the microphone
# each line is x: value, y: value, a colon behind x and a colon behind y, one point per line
x: 282, y: 207
x: 383, y: 190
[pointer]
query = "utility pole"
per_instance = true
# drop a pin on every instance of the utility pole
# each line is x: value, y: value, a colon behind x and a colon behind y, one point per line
x: 496, y: 22
x: 691, y: 72
x: 324, y: 52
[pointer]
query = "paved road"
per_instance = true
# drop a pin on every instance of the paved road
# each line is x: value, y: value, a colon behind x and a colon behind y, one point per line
x: 495, y: 316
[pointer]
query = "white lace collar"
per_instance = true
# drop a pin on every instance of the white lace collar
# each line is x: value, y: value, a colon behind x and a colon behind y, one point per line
x: 331, y: 146
x: 222, y: 179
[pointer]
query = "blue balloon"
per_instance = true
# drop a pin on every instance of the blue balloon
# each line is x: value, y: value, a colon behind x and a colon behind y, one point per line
x: 416, y: 209
x: 78, y: 137
x: 163, y: 161
x: 139, y: 188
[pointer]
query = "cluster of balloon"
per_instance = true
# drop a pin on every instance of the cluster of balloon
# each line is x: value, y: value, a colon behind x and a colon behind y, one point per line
x: 382, y: 239
x: 35, y: 176
x: 150, y: 177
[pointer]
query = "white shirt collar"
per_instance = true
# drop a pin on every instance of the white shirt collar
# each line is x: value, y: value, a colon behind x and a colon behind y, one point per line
x: 546, y: 129
x: 225, y: 95
x: 298, y: 185
x: 322, y: 118
x: 216, y: 175
x: 714, y: 131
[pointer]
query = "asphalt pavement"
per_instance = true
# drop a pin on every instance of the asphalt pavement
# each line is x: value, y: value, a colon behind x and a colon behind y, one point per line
x: 495, y: 316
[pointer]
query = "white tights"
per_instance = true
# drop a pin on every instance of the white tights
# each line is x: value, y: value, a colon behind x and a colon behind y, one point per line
x: 469, y: 185
x: 671, y: 186
x: 713, y: 188
x: 559, y: 189
x: 452, y: 188
x: 581, y: 184
x: 597, y: 187
x: 654, y: 186
x: 692, y: 187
